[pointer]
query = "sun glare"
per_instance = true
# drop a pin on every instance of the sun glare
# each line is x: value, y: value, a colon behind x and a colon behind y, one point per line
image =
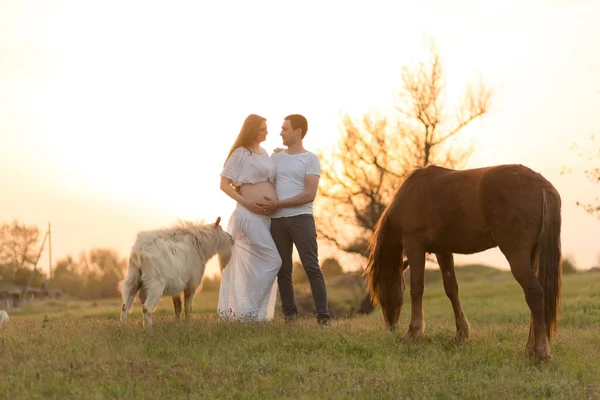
x: 137, y: 105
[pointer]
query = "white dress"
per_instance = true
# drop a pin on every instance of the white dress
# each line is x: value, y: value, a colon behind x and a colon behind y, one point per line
x: 248, y: 284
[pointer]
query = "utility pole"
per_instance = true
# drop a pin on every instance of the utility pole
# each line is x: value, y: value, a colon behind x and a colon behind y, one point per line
x: 49, y: 252
x: 24, y: 292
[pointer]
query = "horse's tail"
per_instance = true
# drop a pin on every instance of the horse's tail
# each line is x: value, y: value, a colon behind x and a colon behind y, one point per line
x: 384, y: 269
x: 547, y: 259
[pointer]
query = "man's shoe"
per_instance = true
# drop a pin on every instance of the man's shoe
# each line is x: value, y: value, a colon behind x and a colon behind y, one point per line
x: 290, y: 318
x: 324, y: 320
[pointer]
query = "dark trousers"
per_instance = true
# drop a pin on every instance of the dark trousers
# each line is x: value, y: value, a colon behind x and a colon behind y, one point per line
x: 299, y: 230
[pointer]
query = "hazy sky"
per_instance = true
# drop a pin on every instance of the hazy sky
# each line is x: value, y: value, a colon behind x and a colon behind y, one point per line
x: 116, y: 116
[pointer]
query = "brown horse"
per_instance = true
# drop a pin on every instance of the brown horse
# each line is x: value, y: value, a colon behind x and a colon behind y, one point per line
x: 444, y: 211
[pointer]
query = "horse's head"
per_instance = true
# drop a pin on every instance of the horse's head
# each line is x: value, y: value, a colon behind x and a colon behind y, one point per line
x: 391, y: 297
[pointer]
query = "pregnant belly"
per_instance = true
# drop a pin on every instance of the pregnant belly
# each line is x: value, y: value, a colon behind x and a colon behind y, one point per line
x: 257, y: 191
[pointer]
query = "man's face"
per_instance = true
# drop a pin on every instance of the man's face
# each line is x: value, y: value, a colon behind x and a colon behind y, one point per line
x: 288, y: 135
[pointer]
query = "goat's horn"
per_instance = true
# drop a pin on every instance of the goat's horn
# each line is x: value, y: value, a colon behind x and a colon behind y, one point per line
x: 218, y: 221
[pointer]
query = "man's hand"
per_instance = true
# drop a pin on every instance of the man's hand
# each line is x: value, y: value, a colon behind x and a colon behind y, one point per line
x: 270, y: 205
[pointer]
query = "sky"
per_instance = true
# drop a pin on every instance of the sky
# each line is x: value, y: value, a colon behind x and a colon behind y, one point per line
x: 116, y: 117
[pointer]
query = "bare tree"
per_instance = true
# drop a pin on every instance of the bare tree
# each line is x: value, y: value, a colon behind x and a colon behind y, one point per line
x: 376, y: 152
x: 18, y: 253
x: 357, y: 182
x: 18, y: 244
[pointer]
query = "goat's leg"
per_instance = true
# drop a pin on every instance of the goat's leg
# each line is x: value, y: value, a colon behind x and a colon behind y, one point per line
x: 177, y: 306
x: 142, y: 295
x: 153, y: 296
x: 129, y: 293
x: 188, y: 300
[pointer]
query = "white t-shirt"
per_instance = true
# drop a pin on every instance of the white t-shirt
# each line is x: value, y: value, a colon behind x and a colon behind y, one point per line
x: 289, y: 179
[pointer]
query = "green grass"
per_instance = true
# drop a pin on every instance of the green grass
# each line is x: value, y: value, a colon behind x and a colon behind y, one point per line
x: 77, y: 350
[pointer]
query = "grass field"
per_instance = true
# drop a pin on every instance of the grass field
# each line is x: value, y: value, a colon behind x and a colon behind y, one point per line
x: 77, y: 350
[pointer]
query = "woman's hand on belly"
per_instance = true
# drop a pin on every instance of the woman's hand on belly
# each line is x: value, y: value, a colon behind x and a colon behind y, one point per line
x: 269, y: 204
x: 254, y: 206
x: 256, y: 194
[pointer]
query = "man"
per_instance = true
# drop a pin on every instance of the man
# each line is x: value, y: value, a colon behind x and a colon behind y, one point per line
x: 292, y: 221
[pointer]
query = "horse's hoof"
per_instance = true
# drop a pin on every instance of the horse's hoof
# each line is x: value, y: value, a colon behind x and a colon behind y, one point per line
x: 543, y: 355
x: 529, y: 351
x: 411, y: 337
x: 462, y: 338
x: 540, y: 355
x: 463, y: 330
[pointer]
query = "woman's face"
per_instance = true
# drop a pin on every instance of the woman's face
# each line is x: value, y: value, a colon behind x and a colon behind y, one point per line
x: 262, y: 132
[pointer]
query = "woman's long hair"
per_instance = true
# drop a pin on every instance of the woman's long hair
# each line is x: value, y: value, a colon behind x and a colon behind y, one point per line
x: 248, y: 133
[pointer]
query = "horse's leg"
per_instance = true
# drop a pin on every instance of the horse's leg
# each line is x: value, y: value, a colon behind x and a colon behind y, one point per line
x: 416, y: 259
x: 522, y: 270
x: 446, y: 263
x: 188, y: 300
x: 177, y: 305
x: 530, y: 339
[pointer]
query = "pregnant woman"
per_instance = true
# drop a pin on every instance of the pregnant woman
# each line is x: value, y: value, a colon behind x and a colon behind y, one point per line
x: 248, y: 289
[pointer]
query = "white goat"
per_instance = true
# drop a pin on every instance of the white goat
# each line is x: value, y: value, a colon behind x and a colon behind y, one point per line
x: 169, y: 261
x: 3, y: 317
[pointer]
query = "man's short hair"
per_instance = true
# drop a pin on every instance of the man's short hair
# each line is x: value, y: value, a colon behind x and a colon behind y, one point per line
x: 298, y: 121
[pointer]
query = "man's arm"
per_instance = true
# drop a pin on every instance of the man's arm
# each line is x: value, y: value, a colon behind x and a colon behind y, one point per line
x: 311, y: 185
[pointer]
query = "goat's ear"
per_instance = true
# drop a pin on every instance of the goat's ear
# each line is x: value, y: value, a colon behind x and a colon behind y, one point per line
x: 217, y: 222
